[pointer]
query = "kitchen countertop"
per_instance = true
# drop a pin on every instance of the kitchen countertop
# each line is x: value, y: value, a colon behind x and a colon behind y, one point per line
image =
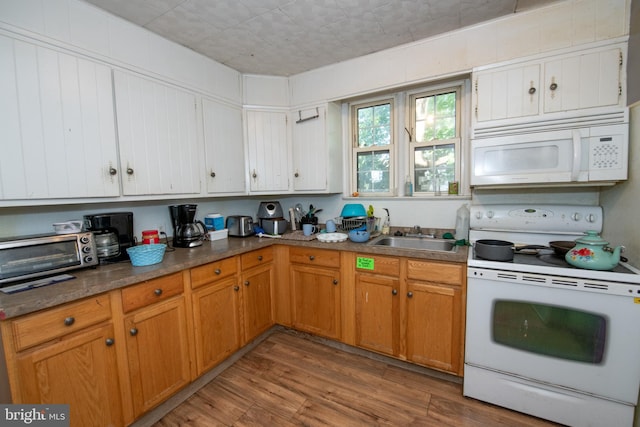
x: 107, y: 277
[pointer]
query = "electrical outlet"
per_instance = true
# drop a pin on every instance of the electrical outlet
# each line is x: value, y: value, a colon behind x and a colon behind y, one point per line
x: 161, y: 228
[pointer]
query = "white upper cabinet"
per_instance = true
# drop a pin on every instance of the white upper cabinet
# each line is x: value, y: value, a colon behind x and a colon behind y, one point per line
x: 157, y: 134
x: 316, y: 147
x: 583, y: 81
x: 58, y: 130
x: 268, y: 151
x: 569, y: 83
x: 224, y: 148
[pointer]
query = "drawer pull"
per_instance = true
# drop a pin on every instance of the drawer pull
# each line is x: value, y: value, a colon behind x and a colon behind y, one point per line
x: 133, y: 331
x: 259, y: 257
x: 158, y: 292
x: 69, y: 321
x: 109, y: 342
x: 311, y: 257
x: 218, y: 271
x: 410, y: 294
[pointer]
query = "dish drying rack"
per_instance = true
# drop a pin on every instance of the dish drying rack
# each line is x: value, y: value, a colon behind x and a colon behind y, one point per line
x: 371, y: 224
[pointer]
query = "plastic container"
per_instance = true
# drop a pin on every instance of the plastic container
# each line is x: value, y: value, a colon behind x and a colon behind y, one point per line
x: 150, y: 237
x: 408, y: 187
x: 214, y: 221
x: 142, y: 255
x: 462, y: 222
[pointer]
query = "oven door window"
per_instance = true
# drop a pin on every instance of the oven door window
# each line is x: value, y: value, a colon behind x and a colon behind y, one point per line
x: 549, y: 330
x: 27, y: 260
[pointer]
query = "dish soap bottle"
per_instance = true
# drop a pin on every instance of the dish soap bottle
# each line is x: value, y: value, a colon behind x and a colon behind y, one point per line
x: 408, y: 187
x: 462, y: 223
x: 387, y: 223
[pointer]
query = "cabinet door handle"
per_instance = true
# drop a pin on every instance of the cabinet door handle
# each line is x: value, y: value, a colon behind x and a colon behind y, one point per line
x: 297, y: 174
x: 335, y: 282
x: 311, y: 257
x: 532, y: 90
x: 254, y: 175
x: 109, y: 342
x: 246, y: 283
x: 129, y: 171
x: 213, y: 174
x: 410, y: 294
x: 69, y: 321
x: 553, y: 86
x: 394, y: 292
x: 158, y: 292
x: 113, y: 171
x: 236, y: 288
x: 217, y: 271
x: 133, y: 332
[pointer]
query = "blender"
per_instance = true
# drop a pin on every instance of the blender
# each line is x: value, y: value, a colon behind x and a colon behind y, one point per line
x: 187, y: 231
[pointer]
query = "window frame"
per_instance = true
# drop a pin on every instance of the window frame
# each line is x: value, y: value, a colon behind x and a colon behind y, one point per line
x: 456, y: 87
x: 391, y: 148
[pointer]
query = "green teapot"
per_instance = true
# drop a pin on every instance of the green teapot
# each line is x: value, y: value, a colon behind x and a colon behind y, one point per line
x: 593, y: 253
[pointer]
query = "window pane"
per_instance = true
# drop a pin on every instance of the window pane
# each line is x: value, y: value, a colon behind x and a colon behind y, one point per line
x: 550, y: 330
x: 434, y: 168
x: 374, y: 125
x: 373, y: 171
x: 435, y: 117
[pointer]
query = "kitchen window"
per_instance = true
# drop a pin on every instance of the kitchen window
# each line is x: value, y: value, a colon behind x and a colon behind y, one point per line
x: 373, y: 143
x: 414, y: 134
x: 435, y: 140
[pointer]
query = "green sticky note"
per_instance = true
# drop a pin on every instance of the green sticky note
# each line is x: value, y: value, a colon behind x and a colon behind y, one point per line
x: 364, y: 263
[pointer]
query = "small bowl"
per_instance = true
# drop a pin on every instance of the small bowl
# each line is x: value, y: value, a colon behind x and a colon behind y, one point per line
x: 359, y: 236
x: 142, y: 255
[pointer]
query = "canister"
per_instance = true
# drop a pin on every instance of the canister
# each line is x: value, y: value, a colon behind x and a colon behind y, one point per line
x: 150, y: 236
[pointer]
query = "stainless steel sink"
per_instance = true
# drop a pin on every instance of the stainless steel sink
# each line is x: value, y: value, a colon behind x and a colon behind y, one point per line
x: 416, y: 243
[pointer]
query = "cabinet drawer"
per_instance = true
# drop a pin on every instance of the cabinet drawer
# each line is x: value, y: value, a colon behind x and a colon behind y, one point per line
x: 435, y: 271
x: 40, y: 327
x: 378, y: 264
x: 312, y: 256
x: 258, y: 257
x: 150, y: 292
x: 213, y: 271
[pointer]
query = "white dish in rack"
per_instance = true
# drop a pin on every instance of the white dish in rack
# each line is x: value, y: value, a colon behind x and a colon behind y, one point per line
x: 332, y: 237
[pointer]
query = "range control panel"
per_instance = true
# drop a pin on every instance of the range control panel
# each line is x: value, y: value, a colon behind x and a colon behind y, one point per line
x: 536, y: 218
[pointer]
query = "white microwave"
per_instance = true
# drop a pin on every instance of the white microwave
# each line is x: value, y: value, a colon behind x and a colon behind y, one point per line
x: 579, y: 155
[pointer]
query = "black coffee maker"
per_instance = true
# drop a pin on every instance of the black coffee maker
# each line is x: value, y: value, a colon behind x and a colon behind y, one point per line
x: 187, y: 231
x: 113, y: 233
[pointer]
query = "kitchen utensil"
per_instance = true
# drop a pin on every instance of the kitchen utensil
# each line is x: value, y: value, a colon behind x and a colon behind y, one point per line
x: 309, y: 229
x: 561, y: 247
x: 240, y: 225
x: 359, y: 236
x: 274, y: 226
x: 494, y: 250
x: 353, y: 210
x: 593, y: 253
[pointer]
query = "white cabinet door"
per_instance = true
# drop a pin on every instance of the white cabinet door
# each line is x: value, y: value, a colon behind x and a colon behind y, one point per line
x: 268, y: 146
x: 224, y: 148
x: 316, y: 146
x: 583, y: 81
x: 157, y: 135
x: 58, y: 129
x: 507, y: 93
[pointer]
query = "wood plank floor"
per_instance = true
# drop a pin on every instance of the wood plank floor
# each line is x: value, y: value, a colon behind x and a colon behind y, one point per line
x: 289, y: 380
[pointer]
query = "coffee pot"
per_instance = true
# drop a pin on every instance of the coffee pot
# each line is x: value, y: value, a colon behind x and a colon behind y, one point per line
x: 187, y: 231
x: 113, y: 233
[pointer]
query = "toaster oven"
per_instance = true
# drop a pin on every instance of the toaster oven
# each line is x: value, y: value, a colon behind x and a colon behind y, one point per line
x: 30, y: 257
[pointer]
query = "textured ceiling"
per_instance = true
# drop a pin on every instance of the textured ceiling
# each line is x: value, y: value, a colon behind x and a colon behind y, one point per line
x: 287, y: 37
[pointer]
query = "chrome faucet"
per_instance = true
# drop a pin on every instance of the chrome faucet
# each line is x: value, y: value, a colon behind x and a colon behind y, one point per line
x: 416, y: 231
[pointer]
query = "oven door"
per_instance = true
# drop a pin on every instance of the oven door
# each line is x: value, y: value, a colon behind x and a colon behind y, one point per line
x: 580, y: 340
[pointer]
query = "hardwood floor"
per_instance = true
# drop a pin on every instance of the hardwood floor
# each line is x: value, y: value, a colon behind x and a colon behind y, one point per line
x: 290, y: 380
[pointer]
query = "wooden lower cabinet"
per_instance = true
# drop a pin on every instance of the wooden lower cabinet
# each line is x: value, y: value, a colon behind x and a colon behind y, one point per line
x: 158, y: 356
x: 435, y: 315
x: 79, y: 370
x: 256, y: 278
x: 315, y: 291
